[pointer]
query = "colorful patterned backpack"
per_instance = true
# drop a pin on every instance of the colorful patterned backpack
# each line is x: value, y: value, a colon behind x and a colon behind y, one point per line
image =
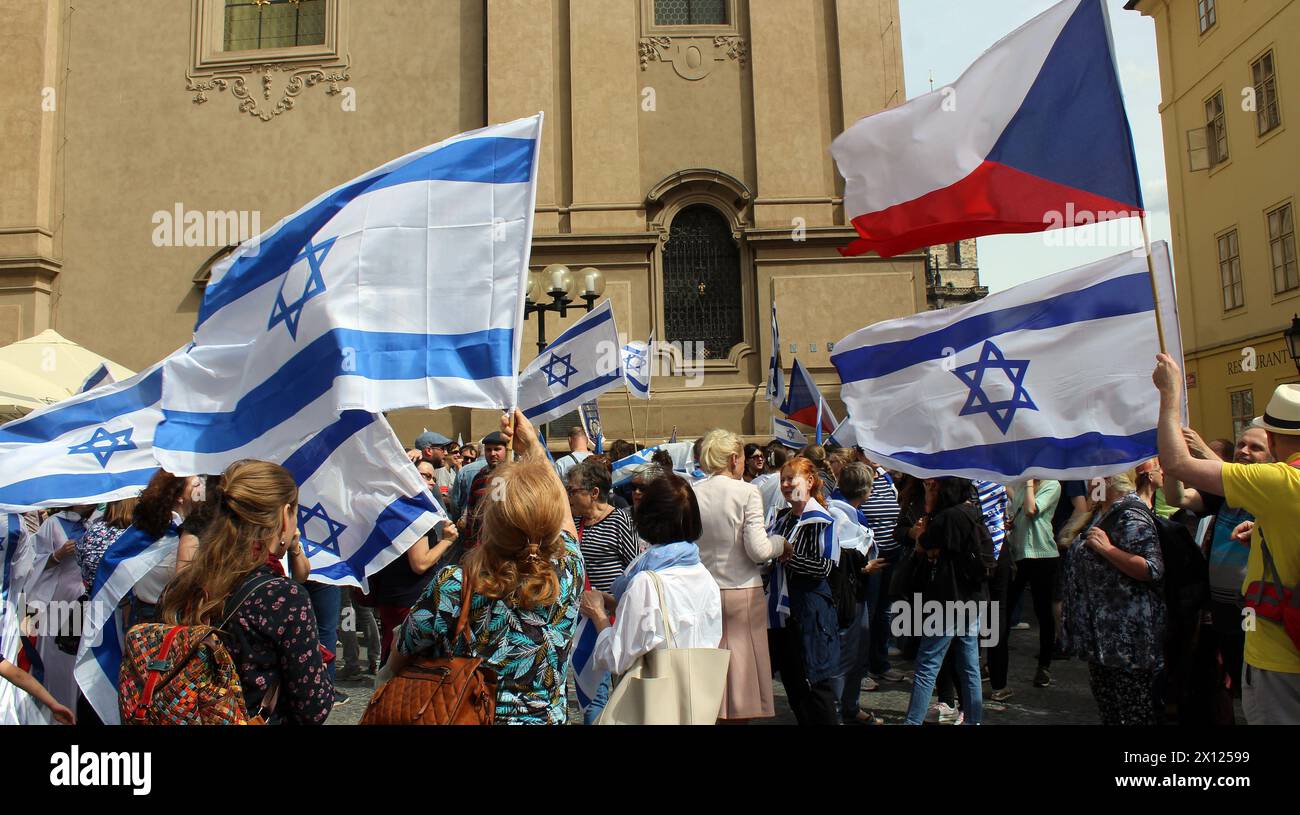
x: 183, y: 674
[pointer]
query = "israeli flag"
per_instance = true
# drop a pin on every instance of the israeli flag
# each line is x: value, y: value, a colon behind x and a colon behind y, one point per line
x: 100, y: 376
x: 636, y: 367
x: 16, y: 706
x: 361, y: 502
x: 103, y: 630
x: 778, y: 597
x: 844, y: 434
x: 775, y: 376
x: 788, y: 434
x: 581, y: 364
x: 402, y: 288
x: 1049, y: 379
x: 815, y: 514
x: 88, y: 449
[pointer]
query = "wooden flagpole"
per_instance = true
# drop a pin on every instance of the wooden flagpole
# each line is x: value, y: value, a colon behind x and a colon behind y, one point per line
x: 1155, y: 288
x: 630, y: 417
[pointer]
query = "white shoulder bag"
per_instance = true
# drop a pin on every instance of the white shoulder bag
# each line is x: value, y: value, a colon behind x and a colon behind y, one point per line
x: 669, y: 685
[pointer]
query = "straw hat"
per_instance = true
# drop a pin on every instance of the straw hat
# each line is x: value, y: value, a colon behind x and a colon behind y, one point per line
x: 1283, y: 412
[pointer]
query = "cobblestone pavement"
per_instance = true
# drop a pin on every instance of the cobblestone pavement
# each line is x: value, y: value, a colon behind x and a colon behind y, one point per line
x: 1066, y: 701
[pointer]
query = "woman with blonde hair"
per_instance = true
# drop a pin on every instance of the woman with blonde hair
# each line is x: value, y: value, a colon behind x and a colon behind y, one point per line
x: 269, y: 626
x: 525, y: 578
x: 733, y: 545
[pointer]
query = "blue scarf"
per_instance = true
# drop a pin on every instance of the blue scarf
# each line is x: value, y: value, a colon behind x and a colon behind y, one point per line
x: 656, y: 559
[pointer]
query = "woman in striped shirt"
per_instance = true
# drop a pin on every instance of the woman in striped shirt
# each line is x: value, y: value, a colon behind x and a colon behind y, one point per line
x: 806, y: 649
x: 606, y: 534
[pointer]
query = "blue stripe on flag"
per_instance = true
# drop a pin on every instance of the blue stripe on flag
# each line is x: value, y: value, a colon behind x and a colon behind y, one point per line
x: 582, y: 327
x: 569, y: 396
x: 489, y: 160
x: 1119, y: 296
x: 308, y: 458
x: 311, y: 373
x: 57, y: 421
x: 35, y: 490
x: 391, y: 523
x: 1014, y: 457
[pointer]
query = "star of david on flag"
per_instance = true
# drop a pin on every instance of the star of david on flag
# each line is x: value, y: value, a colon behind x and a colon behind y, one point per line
x: 103, y: 444
x: 314, y: 285
x: 559, y: 369
x: 1001, y: 411
x: 1049, y: 379
x: 582, y: 363
x: 311, y: 520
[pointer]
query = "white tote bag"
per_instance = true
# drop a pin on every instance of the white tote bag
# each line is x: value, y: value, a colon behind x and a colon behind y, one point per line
x: 669, y: 685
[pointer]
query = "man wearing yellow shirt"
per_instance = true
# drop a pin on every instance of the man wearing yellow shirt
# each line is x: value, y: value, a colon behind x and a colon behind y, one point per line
x: 1271, y: 492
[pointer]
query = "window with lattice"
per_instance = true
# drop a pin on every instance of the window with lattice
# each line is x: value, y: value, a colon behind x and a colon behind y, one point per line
x: 691, y: 12
x: 252, y: 25
x: 702, y: 288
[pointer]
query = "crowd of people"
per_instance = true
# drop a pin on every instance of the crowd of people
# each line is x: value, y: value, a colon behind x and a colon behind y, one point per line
x: 795, y: 562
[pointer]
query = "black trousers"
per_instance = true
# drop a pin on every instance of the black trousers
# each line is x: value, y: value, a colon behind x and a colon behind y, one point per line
x: 1039, y: 576
x: 813, y: 703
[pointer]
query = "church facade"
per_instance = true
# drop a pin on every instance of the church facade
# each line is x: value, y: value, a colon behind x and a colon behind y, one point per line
x: 684, y: 156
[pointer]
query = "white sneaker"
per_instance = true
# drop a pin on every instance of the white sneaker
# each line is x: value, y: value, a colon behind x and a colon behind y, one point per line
x: 891, y: 675
x: 941, y: 713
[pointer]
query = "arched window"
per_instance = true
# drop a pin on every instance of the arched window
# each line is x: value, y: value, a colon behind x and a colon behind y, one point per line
x: 702, y: 292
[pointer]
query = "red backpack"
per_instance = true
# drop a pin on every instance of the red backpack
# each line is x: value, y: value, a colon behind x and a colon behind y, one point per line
x: 183, y: 674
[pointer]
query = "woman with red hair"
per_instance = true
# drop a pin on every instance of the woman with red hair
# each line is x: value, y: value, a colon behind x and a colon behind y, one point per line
x: 805, y: 647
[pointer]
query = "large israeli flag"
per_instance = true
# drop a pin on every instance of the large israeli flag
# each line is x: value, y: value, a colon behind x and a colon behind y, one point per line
x: 100, y: 376
x: 1049, y: 379
x: 361, y: 502
x: 133, y: 555
x: 580, y: 365
x: 402, y: 288
x: 88, y: 449
x: 636, y: 367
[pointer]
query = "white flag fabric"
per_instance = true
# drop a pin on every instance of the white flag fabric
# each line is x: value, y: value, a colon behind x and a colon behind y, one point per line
x: 361, y: 502
x: 88, y: 449
x: 99, y: 658
x: 1049, y: 379
x: 844, y: 435
x: 788, y: 433
x: 16, y: 706
x: 402, y: 288
x: 636, y: 367
x: 580, y: 365
x: 100, y: 376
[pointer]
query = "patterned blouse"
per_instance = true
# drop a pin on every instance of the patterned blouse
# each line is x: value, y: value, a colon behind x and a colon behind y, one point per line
x: 274, y: 637
x: 91, y: 547
x: 1109, y: 617
x: 529, y: 649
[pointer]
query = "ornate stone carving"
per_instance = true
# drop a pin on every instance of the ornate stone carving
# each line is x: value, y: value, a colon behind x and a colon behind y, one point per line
x: 653, y: 48
x: 737, y: 48
x: 300, y: 78
x: 687, y: 54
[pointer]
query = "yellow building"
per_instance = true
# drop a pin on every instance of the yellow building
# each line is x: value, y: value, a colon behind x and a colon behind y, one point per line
x: 1229, y: 83
x: 685, y: 156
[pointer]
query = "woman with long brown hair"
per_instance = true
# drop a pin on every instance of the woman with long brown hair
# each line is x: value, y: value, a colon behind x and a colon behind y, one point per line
x: 159, y: 512
x: 269, y: 627
x: 525, y: 577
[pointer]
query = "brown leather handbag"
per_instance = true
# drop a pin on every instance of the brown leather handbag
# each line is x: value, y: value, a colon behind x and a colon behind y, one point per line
x: 439, y: 690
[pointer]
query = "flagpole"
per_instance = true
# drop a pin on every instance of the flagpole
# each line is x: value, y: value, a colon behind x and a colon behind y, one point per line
x: 1155, y: 289
x: 630, y: 416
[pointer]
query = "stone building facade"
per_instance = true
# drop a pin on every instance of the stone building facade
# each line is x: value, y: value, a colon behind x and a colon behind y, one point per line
x: 685, y: 156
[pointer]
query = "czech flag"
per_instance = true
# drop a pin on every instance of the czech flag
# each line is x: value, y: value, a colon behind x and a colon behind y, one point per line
x: 804, y: 403
x: 1032, y: 137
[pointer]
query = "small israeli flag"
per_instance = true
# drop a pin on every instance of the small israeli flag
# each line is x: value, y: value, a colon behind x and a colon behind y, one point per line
x: 775, y: 376
x: 361, y: 502
x: 788, y: 434
x: 581, y: 364
x: 636, y: 367
x: 330, y: 309
x: 91, y: 448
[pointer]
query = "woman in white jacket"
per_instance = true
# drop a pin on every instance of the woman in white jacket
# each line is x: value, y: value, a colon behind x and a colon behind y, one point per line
x: 668, y: 518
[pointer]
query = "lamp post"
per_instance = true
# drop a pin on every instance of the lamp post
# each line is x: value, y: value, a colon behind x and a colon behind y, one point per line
x: 561, y: 287
x: 1292, y: 336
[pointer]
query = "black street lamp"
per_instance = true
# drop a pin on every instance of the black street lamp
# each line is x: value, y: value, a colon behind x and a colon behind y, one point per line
x: 1292, y: 336
x: 562, y: 287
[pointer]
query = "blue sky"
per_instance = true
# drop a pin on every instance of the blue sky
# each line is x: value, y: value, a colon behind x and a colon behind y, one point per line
x: 943, y: 37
